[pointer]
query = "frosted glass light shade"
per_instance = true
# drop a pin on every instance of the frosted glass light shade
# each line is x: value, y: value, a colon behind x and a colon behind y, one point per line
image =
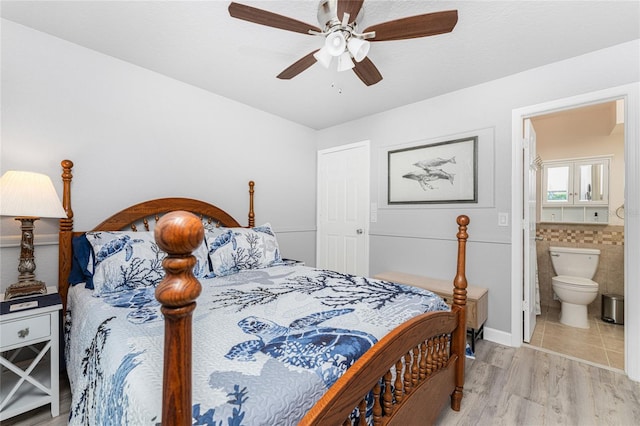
x: 29, y: 194
x: 335, y: 43
x: 359, y: 48
x: 323, y: 57
x: 344, y: 62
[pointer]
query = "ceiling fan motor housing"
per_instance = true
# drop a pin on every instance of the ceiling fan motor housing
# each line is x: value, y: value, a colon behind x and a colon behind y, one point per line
x: 328, y: 15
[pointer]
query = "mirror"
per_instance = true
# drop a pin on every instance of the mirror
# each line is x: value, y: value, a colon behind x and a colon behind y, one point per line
x: 591, y: 182
x: 557, y: 189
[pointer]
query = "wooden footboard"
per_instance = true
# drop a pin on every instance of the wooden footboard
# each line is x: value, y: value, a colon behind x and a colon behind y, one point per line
x: 410, y: 372
x: 421, y: 367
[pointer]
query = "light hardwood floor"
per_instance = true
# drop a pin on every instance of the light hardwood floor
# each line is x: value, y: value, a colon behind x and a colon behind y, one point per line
x: 526, y: 386
x: 504, y: 386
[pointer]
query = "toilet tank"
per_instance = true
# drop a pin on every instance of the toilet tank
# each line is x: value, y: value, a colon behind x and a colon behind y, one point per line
x: 575, y: 262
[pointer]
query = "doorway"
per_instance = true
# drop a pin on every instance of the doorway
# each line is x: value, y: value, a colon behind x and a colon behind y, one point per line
x: 630, y: 95
x: 343, y: 209
x: 579, y: 160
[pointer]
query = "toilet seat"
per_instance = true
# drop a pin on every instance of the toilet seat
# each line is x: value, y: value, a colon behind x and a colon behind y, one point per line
x: 575, y: 283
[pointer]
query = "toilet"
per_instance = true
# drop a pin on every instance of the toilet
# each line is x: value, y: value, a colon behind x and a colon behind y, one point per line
x: 573, y: 285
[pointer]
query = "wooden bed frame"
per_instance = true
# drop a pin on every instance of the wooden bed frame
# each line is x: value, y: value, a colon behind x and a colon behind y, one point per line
x: 426, y: 353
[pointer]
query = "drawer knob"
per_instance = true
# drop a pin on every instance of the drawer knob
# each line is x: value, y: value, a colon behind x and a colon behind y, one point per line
x: 23, y: 333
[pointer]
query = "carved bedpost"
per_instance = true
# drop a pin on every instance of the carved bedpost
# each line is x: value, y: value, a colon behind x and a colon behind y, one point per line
x: 252, y: 215
x: 460, y: 299
x: 178, y: 233
x: 65, y: 234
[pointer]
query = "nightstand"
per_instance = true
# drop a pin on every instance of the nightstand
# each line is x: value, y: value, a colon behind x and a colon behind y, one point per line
x: 29, y: 354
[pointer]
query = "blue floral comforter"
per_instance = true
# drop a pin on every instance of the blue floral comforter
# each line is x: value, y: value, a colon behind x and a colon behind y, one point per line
x: 267, y: 344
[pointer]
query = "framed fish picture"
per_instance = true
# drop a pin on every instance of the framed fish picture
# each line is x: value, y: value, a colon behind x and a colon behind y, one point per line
x: 443, y: 172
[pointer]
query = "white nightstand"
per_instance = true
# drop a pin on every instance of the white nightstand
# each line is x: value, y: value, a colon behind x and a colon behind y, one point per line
x: 29, y: 354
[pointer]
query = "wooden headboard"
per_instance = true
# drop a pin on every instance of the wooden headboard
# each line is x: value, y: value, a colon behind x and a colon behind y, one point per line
x: 138, y: 215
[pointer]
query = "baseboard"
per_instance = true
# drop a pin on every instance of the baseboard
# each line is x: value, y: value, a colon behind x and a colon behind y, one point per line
x: 497, y: 336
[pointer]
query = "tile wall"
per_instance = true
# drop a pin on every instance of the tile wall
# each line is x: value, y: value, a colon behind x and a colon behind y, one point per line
x: 608, y: 239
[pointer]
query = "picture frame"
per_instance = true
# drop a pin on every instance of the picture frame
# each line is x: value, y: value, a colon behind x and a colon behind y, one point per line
x: 442, y: 172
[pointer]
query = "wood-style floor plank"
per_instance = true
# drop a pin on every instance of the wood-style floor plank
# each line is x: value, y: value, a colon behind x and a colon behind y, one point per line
x: 504, y: 386
x: 526, y: 386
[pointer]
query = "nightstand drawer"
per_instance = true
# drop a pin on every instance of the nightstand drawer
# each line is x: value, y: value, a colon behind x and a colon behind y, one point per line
x: 25, y: 330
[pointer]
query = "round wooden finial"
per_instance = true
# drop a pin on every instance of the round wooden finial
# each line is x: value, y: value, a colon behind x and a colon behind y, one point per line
x: 463, y: 220
x: 179, y: 232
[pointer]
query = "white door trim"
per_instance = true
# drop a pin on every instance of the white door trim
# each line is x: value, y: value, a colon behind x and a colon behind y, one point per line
x: 367, y: 146
x: 529, y: 230
x: 631, y: 94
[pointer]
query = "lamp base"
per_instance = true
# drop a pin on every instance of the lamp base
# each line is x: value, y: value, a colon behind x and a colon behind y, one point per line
x: 25, y: 288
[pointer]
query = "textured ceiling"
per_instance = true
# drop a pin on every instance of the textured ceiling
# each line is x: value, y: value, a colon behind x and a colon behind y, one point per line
x: 197, y: 42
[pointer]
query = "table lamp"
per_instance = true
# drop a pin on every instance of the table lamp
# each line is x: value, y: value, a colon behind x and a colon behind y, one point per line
x: 28, y: 196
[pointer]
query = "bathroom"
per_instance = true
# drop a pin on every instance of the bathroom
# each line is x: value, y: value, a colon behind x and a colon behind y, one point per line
x: 588, y: 135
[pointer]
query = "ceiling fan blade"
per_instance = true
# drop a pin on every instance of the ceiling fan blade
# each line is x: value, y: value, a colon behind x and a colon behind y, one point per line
x: 298, y: 66
x: 367, y: 72
x: 415, y: 26
x: 270, y: 19
x: 352, y: 7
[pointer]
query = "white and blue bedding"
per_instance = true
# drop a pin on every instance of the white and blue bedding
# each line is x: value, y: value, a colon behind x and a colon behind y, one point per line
x: 267, y: 344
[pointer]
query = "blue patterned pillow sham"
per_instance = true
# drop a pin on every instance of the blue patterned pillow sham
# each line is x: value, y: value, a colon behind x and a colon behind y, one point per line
x: 232, y: 250
x: 126, y: 260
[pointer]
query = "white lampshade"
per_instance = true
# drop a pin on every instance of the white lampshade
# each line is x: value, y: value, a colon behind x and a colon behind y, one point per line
x: 344, y: 62
x: 323, y: 57
x: 335, y: 43
x: 28, y: 194
x: 359, y: 48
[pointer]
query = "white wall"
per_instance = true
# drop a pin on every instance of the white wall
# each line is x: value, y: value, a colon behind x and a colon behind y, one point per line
x: 421, y: 240
x: 135, y: 135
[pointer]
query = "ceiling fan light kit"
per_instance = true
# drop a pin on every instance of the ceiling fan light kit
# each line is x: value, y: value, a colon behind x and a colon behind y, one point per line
x: 358, y: 48
x: 323, y: 57
x: 335, y: 43
x: 341, y: 38
x: 345, y: 62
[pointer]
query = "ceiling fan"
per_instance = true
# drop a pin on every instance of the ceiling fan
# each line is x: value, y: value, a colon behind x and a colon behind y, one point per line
x: 339, y: 20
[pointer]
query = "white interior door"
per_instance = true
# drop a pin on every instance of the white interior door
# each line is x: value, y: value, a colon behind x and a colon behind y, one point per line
x: 529, y: 228
x: 343, y: 212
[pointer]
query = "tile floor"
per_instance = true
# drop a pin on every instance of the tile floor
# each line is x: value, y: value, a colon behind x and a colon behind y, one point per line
x: 602, y: 343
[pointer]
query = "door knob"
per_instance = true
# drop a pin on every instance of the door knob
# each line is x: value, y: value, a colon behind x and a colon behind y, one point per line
x: 359, y: 231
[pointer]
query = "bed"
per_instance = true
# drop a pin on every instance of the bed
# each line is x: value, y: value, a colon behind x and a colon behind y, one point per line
x: 174, y: 313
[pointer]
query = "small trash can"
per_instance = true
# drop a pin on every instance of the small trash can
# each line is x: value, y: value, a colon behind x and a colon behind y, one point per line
x: 613, y: 308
